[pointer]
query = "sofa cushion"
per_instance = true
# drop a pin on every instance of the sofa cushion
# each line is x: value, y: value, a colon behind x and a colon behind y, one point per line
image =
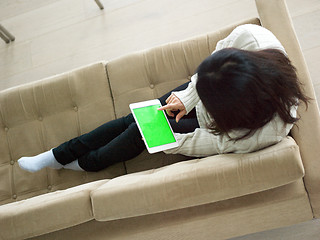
x: 47, y: 213
x: 197, y: 182
x: 38, y: 116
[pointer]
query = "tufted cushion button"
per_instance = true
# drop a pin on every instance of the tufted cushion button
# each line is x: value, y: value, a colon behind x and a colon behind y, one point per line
x: 40, y: 118
x: 152, y: 86
x: 12, y: 162
x: 14, y: 196
x: 75, y: 109
x: 49, y: 187
x: 6, y: 129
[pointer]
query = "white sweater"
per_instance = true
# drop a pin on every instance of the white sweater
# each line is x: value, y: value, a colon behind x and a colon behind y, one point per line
x: 202, y: 142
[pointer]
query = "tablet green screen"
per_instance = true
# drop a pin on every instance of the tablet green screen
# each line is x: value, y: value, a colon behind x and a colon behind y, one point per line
x: 154, y: 126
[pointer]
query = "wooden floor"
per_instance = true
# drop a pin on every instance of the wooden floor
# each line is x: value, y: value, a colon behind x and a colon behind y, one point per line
x: 53, y: 36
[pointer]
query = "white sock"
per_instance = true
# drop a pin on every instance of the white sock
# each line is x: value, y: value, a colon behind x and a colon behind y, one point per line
x: 38, y: 162
x: 73, y: 166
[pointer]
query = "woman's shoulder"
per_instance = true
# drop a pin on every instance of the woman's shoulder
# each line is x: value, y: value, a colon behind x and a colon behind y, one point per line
x: 250, y: 37
x: 271, y: 133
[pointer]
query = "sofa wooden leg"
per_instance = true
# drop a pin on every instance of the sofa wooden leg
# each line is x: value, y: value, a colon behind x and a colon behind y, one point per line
x: 6, y: 35
x: 4, y: 38
x: 99, y: 4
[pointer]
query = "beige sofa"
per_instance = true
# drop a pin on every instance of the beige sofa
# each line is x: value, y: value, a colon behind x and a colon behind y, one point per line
x: 152, y: 196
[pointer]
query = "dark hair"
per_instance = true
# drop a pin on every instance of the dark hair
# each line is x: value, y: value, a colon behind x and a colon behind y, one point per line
x: 245, y: 89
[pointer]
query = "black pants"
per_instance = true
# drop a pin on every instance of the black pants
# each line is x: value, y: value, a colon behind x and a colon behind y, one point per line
x: 115, y: 141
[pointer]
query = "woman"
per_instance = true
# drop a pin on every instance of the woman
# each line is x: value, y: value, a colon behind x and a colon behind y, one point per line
x: 243, y: 97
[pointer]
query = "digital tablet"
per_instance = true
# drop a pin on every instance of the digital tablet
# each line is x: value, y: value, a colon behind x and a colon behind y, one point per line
x: 153, y: 126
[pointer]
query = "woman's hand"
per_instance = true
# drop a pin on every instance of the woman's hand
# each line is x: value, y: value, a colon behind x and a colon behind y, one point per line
x: 174, y: 104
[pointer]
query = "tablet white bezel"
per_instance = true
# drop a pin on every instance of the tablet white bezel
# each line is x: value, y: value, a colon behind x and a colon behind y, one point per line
x: 147, y: 104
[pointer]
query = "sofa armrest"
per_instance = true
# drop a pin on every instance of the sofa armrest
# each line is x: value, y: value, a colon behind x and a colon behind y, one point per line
x: 274, y: 16
x: 197, y: 182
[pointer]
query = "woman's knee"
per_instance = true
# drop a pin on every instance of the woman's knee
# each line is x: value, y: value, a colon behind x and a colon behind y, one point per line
x: 128, y: 120
x: 125, y: 147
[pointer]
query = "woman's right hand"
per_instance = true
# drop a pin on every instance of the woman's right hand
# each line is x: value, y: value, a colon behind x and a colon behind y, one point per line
x: 174, y: 104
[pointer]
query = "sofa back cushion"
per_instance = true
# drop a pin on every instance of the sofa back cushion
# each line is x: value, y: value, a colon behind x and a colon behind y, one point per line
x: 38, y: 116
x: 151, y: 73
